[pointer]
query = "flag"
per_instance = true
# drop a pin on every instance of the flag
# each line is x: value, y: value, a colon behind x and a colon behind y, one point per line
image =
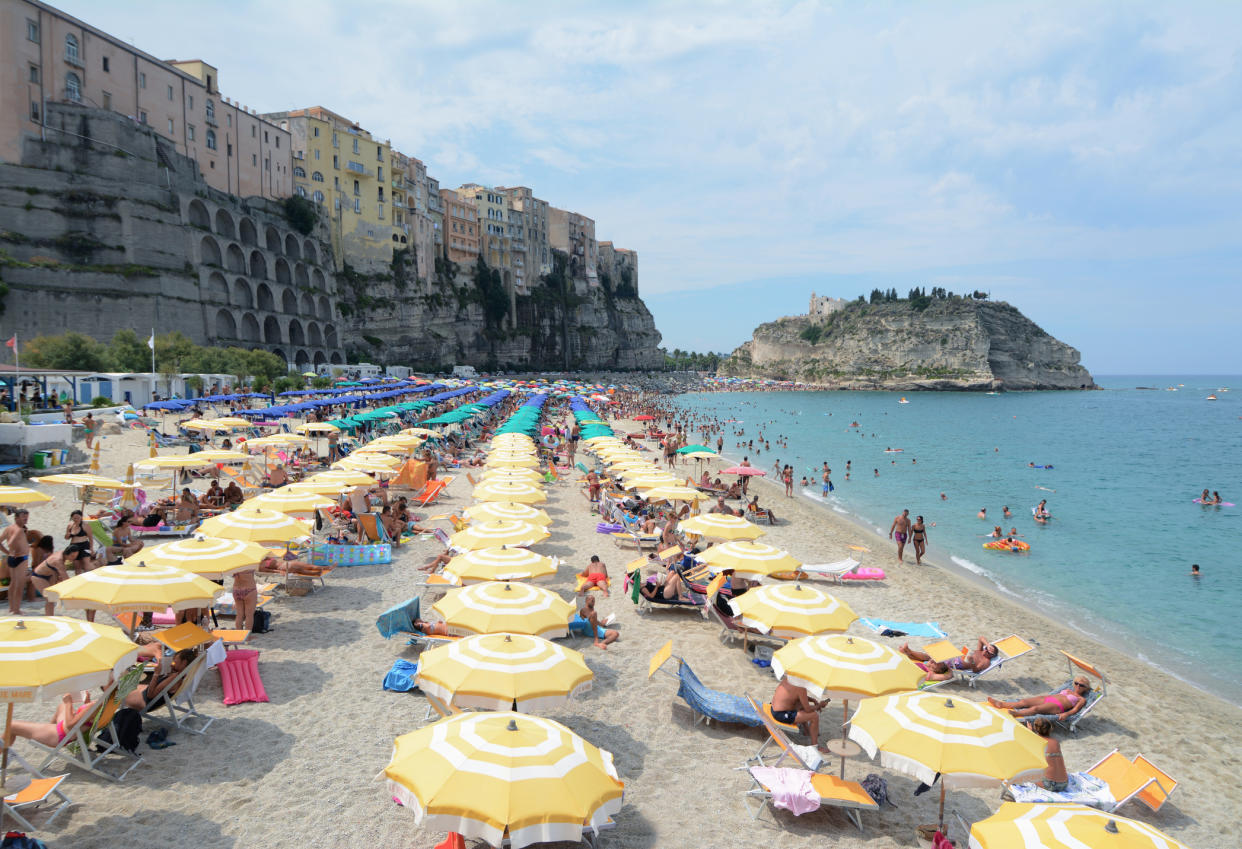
x: 151, y: 341
x: 12, y: 343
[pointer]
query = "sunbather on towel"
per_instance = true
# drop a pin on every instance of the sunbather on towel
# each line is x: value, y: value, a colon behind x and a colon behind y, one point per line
x: 975, y: 661
x: 1064, y: 704
x: 437, y: 563
x: 793, y: 706
x: 288, y: 565
x: 431, y: 629
x: 586, y: 622
x: 594, y: 575
x: 50, y: 733
x: 668, y: 585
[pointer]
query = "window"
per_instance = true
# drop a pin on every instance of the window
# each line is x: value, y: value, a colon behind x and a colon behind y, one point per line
x: 317, y: 197
x: 107, y: 65
x: 316, y: 176
x: 315, y: 131
x: 33, y: 76
x: 229, y: 145
x: 254, y: 131
x: 336, y: 142
x: 191, y: 98
x: 381, y: 213
x: 265, y: 138
x: 73, y: 87
x: 379, y: 154
x: 357, y: 205
x: 267, y: 164
x: 356, y: 188
x: 336, y: 183
x: 254, y: 159
x: 209, y: 82
x: 142, y: 80
x: 316, y: 153
x: 278, y: 142
x: 228, y: 120
x: 211, y: 109
x: 71, y: 50
x: 336, y: 203
x: 34, y: 111
x: 380, y: 172
x: 299, y: 171
x: 336, y: 162
x: 301, y: 190
x: 32, y: 31
x: 355, y: 145
x: 170, y: 126
x: 107, y: 100
x: 211, y: 139
x: 189, y: 132
x: 379, y: 195
x: 170, y: 92
x: 142, y: 117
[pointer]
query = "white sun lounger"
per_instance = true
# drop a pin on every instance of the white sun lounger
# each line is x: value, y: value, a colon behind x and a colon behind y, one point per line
x: 830, y: 571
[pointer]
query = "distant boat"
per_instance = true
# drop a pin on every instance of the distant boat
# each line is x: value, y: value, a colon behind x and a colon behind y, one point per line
x: 903, y: 401
x: 1211, y: 397
x: 991, y: 393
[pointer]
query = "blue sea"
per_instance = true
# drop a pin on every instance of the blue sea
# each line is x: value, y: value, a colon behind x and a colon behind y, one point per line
x: 1126, y: 465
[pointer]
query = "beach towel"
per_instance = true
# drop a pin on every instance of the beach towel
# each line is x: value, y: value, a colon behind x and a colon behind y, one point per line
x: 1083, y: 788
x: 913, y: 629
x: 790, y: 788
x: 400, y: 679
x: 399, y: 619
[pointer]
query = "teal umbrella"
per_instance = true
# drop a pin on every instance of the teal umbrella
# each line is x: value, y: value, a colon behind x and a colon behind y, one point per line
x: 690, y: 449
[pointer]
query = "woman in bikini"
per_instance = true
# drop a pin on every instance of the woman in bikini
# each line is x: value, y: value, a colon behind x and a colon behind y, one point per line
x: 1064, y: 704
x: 79, y: 541
x: 123, y: 542
x: 52, y: 568
x: 51, y: 733
x: 149, y: 696
x: 918, y: 540
x: 1056, y: 779
x: 245, y: 594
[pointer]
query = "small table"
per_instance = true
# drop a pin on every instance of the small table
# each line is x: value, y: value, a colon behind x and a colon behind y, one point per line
x: 843, y: 749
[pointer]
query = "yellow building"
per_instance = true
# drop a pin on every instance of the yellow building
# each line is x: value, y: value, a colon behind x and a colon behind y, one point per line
x: 350, y: 175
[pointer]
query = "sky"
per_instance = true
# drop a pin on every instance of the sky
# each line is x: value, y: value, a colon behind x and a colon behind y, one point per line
x: 1080, y: 160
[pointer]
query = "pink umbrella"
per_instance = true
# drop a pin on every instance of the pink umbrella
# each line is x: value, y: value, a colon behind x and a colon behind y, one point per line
x: 742, y: 470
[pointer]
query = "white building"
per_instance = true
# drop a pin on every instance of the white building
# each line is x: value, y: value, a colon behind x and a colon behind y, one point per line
x: 823, y: 305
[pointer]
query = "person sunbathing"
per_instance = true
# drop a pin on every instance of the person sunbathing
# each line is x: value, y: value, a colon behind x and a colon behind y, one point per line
x: 277, y: 477
x: 51, y: 733
x: 431, y: 629
x: 667, y: 586
x: 975, y: 661
x: 233, y: 494
x: 586, y: 623
x: 793, y: 706
x: 288, y: 566
x: 1056, y: 779
x: 438, y: 562
x: 594, y: 576
x: 151, y: 695
x: 1064, y: 704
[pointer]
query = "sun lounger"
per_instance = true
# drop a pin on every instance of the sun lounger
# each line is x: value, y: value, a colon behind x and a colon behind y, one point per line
x: 431, y: 491
x: 1009, y: 648
x: 697, y: 601
x: 82, y: 747
x: 828, y: 571
x: 36, y: 793
x: 1094, y: 697
x: 849, y: 796
x: 445, y: 709
x: 178, y: 700
x: 806, y: 757
x: 1108, y: 785
x: 706, y: 704
x: 624, y: 539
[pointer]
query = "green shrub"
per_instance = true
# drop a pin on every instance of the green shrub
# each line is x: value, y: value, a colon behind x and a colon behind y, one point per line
x: 101, y: 401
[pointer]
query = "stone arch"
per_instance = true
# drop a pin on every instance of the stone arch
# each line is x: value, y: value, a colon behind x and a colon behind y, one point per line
x: 300, y: 276
x: 310, y: 253
x: 319, y: 358
x: 250, y: 328
x: 320, y: 282
x: 329, y: 336
x: 226, y: 325
x: 265, y: 299
x: 218, y: 288
x: 288, y: 302
x: 325, y: 308
x: 308, y: 304
x: 296, y: 335
x: 209, y: 251
x: 301, y: 359
x: 280, y: 353
x: 336, y: 359
x: 258, y: 266
x: 249, y: 235
x: 293, y: 249
x: 272, y: 238
x: 271, y: 331
x: 282, y: 272
x: 242, y: 296
x: 313, y: 337
x: 235, y: 259
x: 198, y: 215
x: 224, y: 224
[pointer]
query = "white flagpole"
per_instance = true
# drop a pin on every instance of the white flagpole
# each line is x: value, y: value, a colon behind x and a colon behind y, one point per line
x: 151, y: 345
x: 17, y: 381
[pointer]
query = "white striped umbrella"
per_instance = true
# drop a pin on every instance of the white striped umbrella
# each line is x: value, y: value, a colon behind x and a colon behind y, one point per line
x: 290, y: 499
x: 134, y: 588
x: 837, y: 666
x: 255, y: 524
x: 495, y: 607
x: 492, y: 671
x: 792, y: 610
x: 485, y: 775
x: 1040, y: 825
x: 47, y: 656
x: 514, y: 491
x: 499, y: 564
x: 342, y: 476
x: 750, y: 558
x: 507, y: 510
x: 205, y: 556
x: 492, y: 533
x: 515, y: 475
x: 720, y: 526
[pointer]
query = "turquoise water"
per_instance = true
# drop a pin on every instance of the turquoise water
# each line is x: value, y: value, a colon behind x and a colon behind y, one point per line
x: 1127, y: 463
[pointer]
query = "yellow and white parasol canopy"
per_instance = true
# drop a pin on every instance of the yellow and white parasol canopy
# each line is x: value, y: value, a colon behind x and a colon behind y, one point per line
x: 47, y: 656
x: 82, y: 480
x: 604, y: 439
x: 492, y: 671
x: 485, y: 774
x: 492, y: 533
x: 837, y: 666
x: 426, y: 433
x: 276, y: 440
x: 514, y: 491
x: 287, y: 499
x: 720, y: 526
x: 371, y: 464
x: 511, y: 461
x: 206, y: 425
x: 204, y: 556
x: 342, y: 476
x: 174, y: 461
x: 234, y: 422
x: 254, y: 524
x: 223, y: 456
x: 316, y: 427
x: 675, y: 493
x: 497, y: 608
x: 513, y: 474
x: 1064, y: 826
x: 134, y: 588
x: 750, y: 558
x: 792, y: 610
x: 968, y: 743
x: 649, y: 480
x: 507, y: 510
x: 499, y: 564
x: 630, y: 465
x: 319, y: 487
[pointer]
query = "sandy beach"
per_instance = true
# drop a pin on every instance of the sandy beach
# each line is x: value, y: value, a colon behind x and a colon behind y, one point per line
x: 301, y: 770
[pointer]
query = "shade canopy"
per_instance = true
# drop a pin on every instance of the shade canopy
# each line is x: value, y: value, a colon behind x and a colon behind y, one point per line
x: 1063, y: 826
x: 513, y: 491
x: 134, y: 588
x: 792, y: 610
x: 20, y: 496
x: 492, y: 671
x: 491, y: 533
x: 255, y: 524
x: 499, y: 564
x: 44, y: 657
x: 837, y: 666
x: 507, y: 510
x: 722, y: 527
x: 289, y: 499
x: 497, y: 608
x: 205, y: 556
x: 750, y: 558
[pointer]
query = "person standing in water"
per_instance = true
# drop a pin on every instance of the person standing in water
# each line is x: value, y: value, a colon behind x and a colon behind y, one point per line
x: 899, y: 531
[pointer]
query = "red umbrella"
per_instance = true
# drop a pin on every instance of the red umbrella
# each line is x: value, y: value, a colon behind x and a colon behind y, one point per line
x: 742, y: 470
x: 644, y: 418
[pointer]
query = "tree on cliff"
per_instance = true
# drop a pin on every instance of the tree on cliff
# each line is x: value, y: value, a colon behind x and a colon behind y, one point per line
x: 491, y: 292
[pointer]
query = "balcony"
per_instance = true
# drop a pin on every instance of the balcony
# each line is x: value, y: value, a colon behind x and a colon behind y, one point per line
x: 75, y: 59
x: 359, y: 168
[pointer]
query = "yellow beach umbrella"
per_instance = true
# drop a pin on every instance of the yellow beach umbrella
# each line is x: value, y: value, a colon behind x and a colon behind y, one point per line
x: 792, y: 610
x: 426, y: 433
x: 345, y: 477
x: 750, y: 558
x: 720, y: 526
x: 276, y: 440
x: 98, y: 481
x: 511, y: 461
x: 206, y: 425
x: 175, y: 461
x: 967, y: 743
x: 316, y: 427
x: 1064, y: 826
x: 517, y: 492
x: 511, y: 474
x: 507, y: 510
x: 488, y: 775
x: 134, y: 588
x: 838, y: 666
x: 648, y: 481
x: 365, y: 464
x: 207, y: 557
x: 623, y: 465
x: 288, y: 499
x: 497, y: 608
x: 255, y: 524
x: 233, y: 423
x: 603, y: 440
x: 324, y: 487
x: 675, y: 493
x: 128, y: 498
x: 20, y: 496
x: 372, y: 455
x: 499, y: 564
x: 492, y: 671
x: 44, y: 657
x: 493, y: 533
x: 223, y: 456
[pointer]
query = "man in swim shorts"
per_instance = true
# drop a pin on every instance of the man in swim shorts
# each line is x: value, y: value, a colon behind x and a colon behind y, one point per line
x: 586, y: 623
x: 15, y: 548
x: 793, y: 706
x: 899, y: 531
x: 594, y: 576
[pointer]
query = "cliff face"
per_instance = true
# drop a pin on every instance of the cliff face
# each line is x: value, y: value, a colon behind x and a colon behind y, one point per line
x: 951, y: 344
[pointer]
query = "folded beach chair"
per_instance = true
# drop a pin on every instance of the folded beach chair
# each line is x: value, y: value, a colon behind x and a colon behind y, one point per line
x: 82, y: 747
x: 1010, y: 648
x: 178, y: 700
x: 430, y: 492
x: 849, y: 796
x: 36, y: 793
x: 445, y: 709
x: 806, y: 757
x: 1094, y: 697
x: 706, y: 704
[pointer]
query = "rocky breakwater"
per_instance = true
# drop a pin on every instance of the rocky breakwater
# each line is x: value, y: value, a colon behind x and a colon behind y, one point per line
x: 947, y: 343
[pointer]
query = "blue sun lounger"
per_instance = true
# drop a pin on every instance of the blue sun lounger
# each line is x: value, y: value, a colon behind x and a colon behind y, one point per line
x: 706, y: 703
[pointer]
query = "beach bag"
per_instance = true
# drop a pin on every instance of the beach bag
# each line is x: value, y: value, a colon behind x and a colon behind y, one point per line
x: 17, y: 840
x: 128, y: 725
x: 262, y: 622
x: 877, y: 789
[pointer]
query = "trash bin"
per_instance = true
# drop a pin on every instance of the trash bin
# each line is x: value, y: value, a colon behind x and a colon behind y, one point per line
x: 64, y: 456
x: 40, y: 460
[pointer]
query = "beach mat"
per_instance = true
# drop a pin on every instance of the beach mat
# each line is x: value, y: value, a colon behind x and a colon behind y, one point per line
x: 913, y: 629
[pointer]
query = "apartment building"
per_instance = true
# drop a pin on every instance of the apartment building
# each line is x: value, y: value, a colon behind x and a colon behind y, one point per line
x: 621, y: 266
x: 461, y: 228
x: 538, y: 249
x: 54, y: 57
x: 575, y: 235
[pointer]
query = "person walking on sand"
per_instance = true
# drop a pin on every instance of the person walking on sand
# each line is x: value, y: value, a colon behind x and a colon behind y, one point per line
x: 88, y: 425
x: 918, y: 539
x: 898, y: 532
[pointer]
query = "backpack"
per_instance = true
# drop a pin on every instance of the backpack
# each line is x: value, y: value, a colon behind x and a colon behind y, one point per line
x: 128, y: 725
x: 17, y: 840
x: 877, y: 789
x: 262, y: 622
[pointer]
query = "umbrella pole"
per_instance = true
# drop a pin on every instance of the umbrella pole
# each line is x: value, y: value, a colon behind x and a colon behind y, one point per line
x: 845, y: 718
x: 4, y: 765
x: 941, y: 821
